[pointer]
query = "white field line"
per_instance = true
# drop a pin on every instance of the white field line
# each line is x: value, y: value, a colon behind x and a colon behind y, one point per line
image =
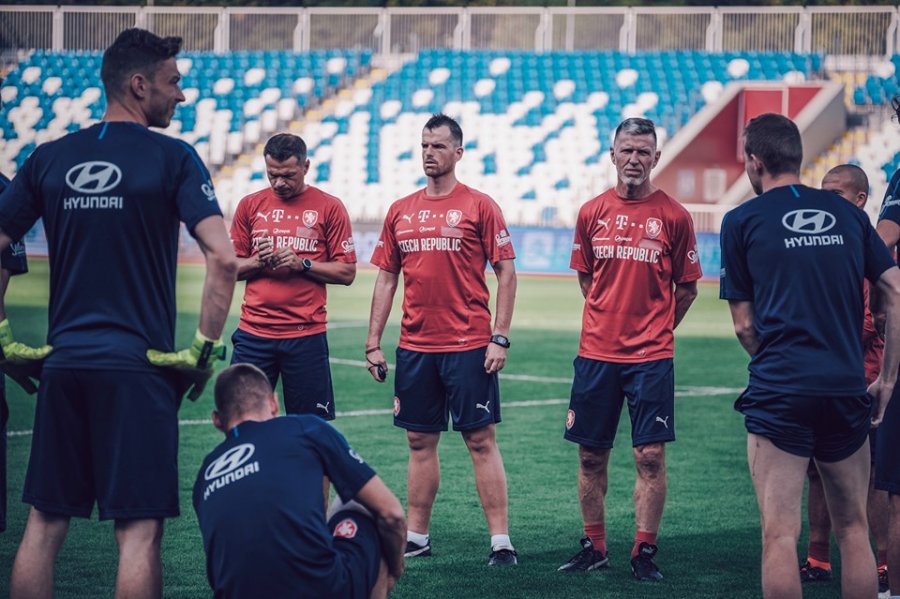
x: 533, y: 403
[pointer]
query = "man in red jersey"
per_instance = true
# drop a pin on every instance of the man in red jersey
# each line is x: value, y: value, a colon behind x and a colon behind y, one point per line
x: 851, y: 183
x: 449, y: 355
x: 636, y: 258
x: 291, y: 240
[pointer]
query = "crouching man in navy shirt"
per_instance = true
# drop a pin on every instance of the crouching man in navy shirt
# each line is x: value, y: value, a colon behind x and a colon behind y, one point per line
x: 258, y: 501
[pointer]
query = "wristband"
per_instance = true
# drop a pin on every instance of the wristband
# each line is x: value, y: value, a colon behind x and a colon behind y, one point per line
x: 370, y: 350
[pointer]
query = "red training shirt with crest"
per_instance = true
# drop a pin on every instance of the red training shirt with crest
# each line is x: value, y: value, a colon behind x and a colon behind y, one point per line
x: 634, y: 250
x: 442, y: 245
x: 280, y: 303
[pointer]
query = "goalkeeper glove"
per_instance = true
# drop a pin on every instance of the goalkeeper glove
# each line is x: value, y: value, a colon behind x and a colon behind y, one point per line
x: 194, y: 364
x: 20, y: 362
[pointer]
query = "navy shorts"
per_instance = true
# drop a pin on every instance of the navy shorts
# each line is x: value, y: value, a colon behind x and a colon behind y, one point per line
x: 104, y: 436
x: 599, y: 390
x: 428, y: 386
x: 830, y: 429
x: 887, y: 452
x: 302, y: 363
x: 358, y: 550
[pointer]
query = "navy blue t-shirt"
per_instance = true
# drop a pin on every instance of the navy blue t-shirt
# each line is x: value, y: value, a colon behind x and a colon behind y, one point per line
x: 890, y: 206
x: 800, y: 255
x: 258, y: 498
x: 13, y: 258
x: 111, y: 198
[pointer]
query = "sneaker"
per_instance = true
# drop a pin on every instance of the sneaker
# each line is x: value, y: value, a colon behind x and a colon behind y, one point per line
x: 587, y: 559
x: 503, y: 557
x: 884, y: 587
x: 642, y: 565
x: 810, y: 573
x: 416, y: 550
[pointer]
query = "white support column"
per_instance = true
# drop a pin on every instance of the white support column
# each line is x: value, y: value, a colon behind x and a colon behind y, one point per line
x: 57, y: 38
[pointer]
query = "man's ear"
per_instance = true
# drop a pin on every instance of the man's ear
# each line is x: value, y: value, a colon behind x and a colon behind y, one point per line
x: 273, y: 404
x: 217, y: 421
x: 138, y: 86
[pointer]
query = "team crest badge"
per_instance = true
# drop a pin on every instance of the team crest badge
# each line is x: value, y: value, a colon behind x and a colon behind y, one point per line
x: 653, y: 227
x: 346, y: 529
x: 570, y: 419
x: 453, y: 217
x: 396, y: 405
x: 310, y: 218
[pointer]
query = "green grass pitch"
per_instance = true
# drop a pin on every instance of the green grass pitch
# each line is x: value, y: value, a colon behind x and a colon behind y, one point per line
x: 709, y: 540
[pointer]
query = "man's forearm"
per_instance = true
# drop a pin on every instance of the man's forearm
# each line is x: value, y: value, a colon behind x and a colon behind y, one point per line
x: 248, y: 268
x: 335, y: 273
x: 506, y: 299
x: 392, y: 535
x: 218, y: 289
x: 684, y: 298
x: 382, y: 298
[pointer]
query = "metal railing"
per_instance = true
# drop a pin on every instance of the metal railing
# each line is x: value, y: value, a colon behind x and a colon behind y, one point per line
x: 843, y: 31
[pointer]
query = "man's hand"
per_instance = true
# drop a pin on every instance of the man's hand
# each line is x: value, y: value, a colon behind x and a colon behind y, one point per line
x: 881, y: 392
x: 194, y: 364
x: 286, y: 258
x: 21, y: 362
x: 376, y: 364
x: 264, y: 252
x: 494, y: 358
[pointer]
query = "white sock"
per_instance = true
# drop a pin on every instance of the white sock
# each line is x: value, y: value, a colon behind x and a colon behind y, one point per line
x: 417, y: 537
x: 499, y: 542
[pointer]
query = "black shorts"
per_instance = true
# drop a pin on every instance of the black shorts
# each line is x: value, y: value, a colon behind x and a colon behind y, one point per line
x: 599, y: 390
x: 4, y: 418
x: 302, y: 362
x: 887, y: 452
x: 104, y: 436
x: 359, y: 551
x: 429, y: 385
x: 830, y: 429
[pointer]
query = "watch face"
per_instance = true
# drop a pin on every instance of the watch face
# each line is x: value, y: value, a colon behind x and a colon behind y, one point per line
x: 500, y: 340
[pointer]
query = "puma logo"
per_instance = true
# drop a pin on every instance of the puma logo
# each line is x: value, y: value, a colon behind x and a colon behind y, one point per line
x: 603, y: 223
x: 665, y: 421
x: 407, y: 218
x: 484, y: 406
x: 325, y: 407
x: 265, y: 217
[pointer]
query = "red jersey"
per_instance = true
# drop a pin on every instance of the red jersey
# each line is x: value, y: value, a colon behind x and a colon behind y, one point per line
x: 280, y: 303
x: 635, y: 251
x: 442, y: 244
x: 873, y: 345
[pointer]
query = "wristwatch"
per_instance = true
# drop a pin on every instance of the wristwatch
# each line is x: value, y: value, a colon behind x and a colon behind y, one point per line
x: 500, y: 340
x: 307, y: 264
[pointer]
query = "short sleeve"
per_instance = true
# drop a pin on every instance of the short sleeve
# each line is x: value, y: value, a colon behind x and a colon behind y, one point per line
x: 735, y: 282
x: 685, y: 261
x: 339, y: 235
x: 241, y: 234
x: 877, y: 257
x: 387, y: 254
x: 346, y: 470
x: 890, y: 205
x: 582, y: 253
x: 495, y: 238
x: 194, y: 192
x: 20, y: 203
x: 13, y: 258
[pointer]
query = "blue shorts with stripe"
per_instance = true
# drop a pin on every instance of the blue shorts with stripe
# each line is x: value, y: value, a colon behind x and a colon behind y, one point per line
x: 429, y: 387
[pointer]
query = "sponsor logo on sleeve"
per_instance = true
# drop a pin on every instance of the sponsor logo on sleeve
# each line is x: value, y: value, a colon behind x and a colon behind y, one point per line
x: 576, y: 247
x: 692, y: 255
x: 502, y: 238
x: 209, y: 191
x: 356, y: 456
x: 348, y: 246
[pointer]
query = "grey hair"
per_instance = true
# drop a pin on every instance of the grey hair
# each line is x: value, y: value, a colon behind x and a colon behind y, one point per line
x: 636, y: 126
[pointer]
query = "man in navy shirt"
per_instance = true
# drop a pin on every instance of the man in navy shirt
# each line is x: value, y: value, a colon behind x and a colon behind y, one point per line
x: 106, y: 428
x: 793, y: 263
x: 887, y: 451
x: 259, y: 505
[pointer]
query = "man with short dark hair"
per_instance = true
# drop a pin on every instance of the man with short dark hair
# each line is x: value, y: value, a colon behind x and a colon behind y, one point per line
x: 440, y: 238
x: 291, y: 240
x: 887, y: 452
x: 111, y: 198
x: 793, y: 264
x: 851, y: 183
x: 636, y: 257
x: 265, y: 530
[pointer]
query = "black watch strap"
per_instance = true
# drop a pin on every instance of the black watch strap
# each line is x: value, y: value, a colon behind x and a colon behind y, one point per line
x: 500, y: 340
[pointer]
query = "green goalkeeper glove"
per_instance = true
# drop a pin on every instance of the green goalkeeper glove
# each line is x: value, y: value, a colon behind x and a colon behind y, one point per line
x: 194, y: 364
x: 20, y: 362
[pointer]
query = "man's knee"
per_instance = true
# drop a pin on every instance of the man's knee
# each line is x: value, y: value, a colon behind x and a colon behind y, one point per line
x: 593, y: 461
x: 137, y: 535
x: 650, y: 460
x: 480, y: 441
x: 422, y: 442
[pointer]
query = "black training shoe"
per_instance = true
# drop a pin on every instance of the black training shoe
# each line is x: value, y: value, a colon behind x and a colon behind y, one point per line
x: 587, y: 559
x: 416, y: 550
x: 503, y: 557
x: 884, y: 587
x: 642, y: 564
x: 809, y: 573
